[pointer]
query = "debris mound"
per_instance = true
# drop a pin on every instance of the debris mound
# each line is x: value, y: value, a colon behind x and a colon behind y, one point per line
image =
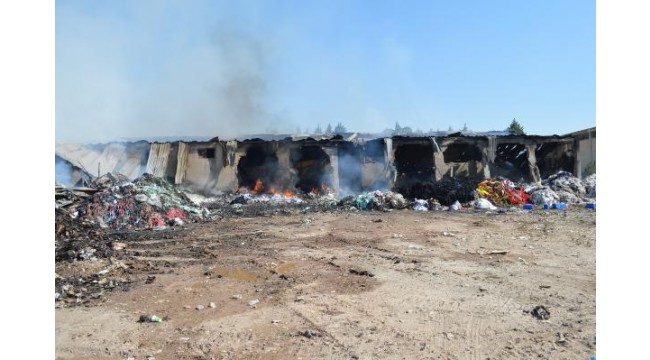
x: 117, y: 203
x: 376, y: 200
x: 590, y: 186
x: 502, y: 191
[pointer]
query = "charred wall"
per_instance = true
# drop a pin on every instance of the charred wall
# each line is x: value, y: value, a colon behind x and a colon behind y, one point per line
x: 344, y: 167
x: 374, y: 170
x: 200, y: 167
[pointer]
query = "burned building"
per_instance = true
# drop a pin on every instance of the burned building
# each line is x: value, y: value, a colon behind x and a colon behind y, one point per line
x: 340, y: 165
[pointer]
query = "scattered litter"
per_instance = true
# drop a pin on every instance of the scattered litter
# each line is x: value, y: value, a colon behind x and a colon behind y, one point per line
x: 253, y: 302
x: 212, y: 305
x: 485, y: 204
x: 310, y: 334
x: 540, y: 312
x: 498, y: 252
x: 150, y: 318
x: 361, y: 272
x: 455, y: 206
x: 236, y: 297
x: 116, y: 245
x: 199, y: 307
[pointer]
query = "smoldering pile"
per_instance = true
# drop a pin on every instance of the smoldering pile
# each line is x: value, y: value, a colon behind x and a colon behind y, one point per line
x: 117, y: 203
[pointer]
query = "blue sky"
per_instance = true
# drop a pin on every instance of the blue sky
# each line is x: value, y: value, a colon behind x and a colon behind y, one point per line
x: 164, y: 68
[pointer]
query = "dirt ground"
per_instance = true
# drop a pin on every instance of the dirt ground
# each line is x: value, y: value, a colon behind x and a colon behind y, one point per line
x: 346, y: 285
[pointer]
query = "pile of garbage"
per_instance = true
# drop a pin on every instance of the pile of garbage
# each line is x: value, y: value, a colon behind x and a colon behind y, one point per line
x: 564, y: 187
x: 502, y: 191
x: 447, y: 191
x: 376, y: 200
x: 114, y: 202
x: 561, y: 187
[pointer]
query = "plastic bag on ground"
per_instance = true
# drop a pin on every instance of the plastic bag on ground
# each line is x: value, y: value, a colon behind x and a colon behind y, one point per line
x: 485, y: 204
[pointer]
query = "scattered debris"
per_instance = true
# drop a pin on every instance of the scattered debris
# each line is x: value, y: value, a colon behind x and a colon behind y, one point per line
x: 150, y: 318
x: 199, y: 307
x: 310, y: 334
x: 485, y: 204
x: 540, y: 312
x: 253, y: 302
x: 212, y: 305
x: 498, y: 252
x: 361, y: 272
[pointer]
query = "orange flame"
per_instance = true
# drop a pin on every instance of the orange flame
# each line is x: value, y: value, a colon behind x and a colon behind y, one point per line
x: 287, y: 193
x: 323, y: 188
x: 258, y: 186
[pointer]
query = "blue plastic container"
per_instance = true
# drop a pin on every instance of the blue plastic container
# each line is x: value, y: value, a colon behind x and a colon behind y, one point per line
x: 545, y: 206
x: 528, y: 206
x: 590, y: 205
x: 559, y: 205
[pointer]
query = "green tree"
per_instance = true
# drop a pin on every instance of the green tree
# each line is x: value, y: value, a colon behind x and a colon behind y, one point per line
x: 328, y: 130
x: 318, y: 130
x: 515, y: 128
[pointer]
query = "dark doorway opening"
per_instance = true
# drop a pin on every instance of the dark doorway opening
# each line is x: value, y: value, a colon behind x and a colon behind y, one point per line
x: 553, y: 157
x: 511, y: 161
x: 312, y: 165
x: 258, y: 165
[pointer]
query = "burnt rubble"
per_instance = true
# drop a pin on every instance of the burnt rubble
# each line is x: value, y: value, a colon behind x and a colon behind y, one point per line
x: 95, y: 224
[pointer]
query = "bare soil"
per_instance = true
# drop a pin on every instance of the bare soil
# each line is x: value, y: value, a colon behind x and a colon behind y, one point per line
x: 344, y: 285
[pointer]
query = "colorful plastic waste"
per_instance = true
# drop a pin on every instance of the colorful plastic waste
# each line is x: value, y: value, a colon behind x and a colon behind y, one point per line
x: 502, y: 191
